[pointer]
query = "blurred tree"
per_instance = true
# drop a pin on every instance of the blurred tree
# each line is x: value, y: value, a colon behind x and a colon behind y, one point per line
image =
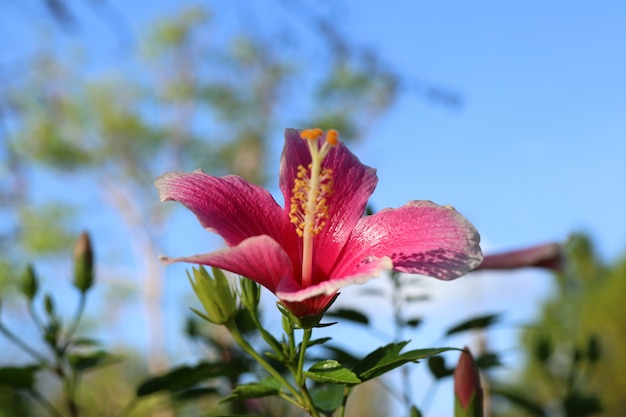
x: 78, y: 142
x: 75, y: 143
x: 575, y: 349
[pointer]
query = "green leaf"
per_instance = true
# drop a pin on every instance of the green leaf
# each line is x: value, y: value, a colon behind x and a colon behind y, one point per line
x: 594, y: 351
x: 488, y: 360
x: 185, y: 377
x: 388, y: 357
x: 328, y: 397
x: 413, y: 322
x: 29, y: 283
x: 331, y: 371
x: 349, y: 314
x: 194, y: 393
x: 265, y: 388
x: 415, y: 412
x: 86, y: 342
x: 437, y: 366
x: 522, y: 402
x: 542, y: 349
x: 475, y: 323
x: 581, y: 405
x: 18, y: 377
x: 84, y: 361
x: 319, y: 341
x: 342, y: 356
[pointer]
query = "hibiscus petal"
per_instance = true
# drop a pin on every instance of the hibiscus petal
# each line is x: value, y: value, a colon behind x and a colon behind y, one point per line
x: 419, y: 237
x: 229, y: 206
x: 353, y: 184
x: 258, y: 258
x: 371, y: 268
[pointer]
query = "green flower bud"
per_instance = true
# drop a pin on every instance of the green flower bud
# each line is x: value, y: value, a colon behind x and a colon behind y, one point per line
x: 83, y: 263
x: 215, y: 293
x: 48, y: 304
x: 29, y: 284
x: 250, y: 293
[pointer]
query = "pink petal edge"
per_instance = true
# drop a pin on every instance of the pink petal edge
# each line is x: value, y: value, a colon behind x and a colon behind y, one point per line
x: 420, y: 237
x: 371, y: 269
x: 258, y: 258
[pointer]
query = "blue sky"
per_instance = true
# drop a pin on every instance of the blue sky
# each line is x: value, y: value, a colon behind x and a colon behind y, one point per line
x: 536, y: 151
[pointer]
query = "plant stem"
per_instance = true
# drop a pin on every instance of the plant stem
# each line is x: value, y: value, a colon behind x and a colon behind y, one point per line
x: 306, y: 337
x: 269, y: 368
x: 22, y: 345
x: 77, y: 317
x: 346, y: 392
x: 35, y: 316
x: 300, y: 378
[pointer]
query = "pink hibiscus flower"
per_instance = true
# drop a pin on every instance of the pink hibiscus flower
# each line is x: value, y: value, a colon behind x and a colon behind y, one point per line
x: 319, y: 241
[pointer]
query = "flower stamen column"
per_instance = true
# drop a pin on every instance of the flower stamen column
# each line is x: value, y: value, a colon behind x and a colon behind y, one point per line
x: 309, y: 203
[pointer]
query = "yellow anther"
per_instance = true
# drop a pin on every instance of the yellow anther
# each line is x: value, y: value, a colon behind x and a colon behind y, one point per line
x: 332, y: 137
x: 311, y: 134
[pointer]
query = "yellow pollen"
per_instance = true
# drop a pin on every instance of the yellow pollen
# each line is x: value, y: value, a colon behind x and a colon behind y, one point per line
x: 311, y: 134
x: 332, y: 137
x: 301, y: 193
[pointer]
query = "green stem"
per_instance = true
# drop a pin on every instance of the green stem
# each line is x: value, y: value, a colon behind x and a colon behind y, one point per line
x: 77, y: 317
x: 306, y: 337
x: 269, y: 339
x: 300, y: 378
x: 35, y: 316
x: 22, y: 345
x: 346, y: 392
x: 269, y: 368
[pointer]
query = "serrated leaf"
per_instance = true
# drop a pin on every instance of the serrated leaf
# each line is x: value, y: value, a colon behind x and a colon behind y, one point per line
x: 474, y: 323
x: 388, y: 357
x: 331, y: 371
x: 185, y: 377
x: 265, y: 388
x: 85, y: 361
x: 349, y: 314
x: 19, y: 377
x: 327, y: 397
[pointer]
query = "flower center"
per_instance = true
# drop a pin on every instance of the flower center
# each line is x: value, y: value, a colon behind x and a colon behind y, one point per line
x: 309, y: 201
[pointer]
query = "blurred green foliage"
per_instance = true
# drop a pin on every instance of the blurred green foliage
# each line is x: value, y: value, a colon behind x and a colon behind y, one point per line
x: 575, y: 348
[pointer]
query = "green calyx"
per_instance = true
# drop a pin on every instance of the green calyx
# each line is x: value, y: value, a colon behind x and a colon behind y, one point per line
x: 215, y: 294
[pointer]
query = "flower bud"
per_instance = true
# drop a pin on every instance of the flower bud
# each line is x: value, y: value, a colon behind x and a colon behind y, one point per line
x: 215, y: 293
x: 250, y: 293
x: 468, y: 393
x: 29, y: 284
x: 48, y: 304
x: 83, y: 263
x: 548, y: 256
